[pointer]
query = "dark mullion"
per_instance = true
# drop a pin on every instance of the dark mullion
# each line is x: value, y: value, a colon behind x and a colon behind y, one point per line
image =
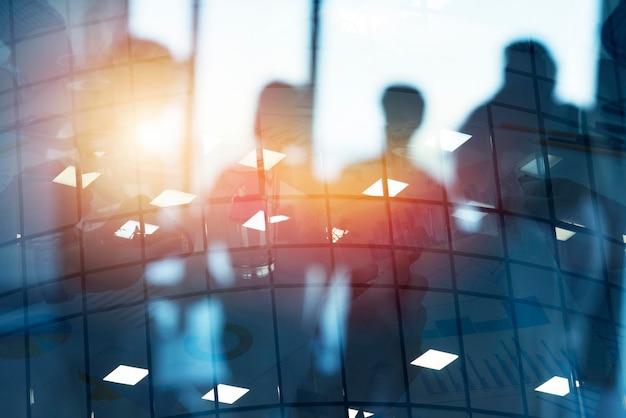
x: 281, y: 400
x: 142, y: 241
x: 189, y: 140
x: 455, y: 290
x: 314, y: 75
x: 79, y: 211
x: 315, y: 41
x: 20, y: 207
x: 552, y: 214
x: 505, y: 250
x: 394, y: 269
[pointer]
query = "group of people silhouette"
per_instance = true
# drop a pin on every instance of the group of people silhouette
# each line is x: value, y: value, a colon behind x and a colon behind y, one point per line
x: 379, y: 214
x: 505, y: 166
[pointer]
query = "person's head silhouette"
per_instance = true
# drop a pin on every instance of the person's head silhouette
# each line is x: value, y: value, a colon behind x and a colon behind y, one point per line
x: 403, y: 107
x: 276, y: 126
x: 526, y: 51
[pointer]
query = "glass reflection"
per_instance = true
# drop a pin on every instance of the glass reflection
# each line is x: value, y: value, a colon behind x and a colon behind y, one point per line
x: 301, y: 199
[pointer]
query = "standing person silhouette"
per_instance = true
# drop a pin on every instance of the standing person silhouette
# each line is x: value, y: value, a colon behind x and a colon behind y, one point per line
x: 381, y: 203
x: 543, y: 167
x: 403, y: 108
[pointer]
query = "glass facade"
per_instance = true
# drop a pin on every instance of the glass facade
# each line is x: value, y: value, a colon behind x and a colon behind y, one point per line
x: 307, y: 208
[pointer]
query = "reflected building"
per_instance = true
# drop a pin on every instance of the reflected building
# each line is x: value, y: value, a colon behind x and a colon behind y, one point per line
x: 210, y: 231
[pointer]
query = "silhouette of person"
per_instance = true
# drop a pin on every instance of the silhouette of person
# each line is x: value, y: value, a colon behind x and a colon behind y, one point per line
x: 253, y: 187
x: 377, y: 203
x: 403, y: 108
x: 129, y: 160
x: 542, y: 162
x: 283, y: 125
x: 505, y: 128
